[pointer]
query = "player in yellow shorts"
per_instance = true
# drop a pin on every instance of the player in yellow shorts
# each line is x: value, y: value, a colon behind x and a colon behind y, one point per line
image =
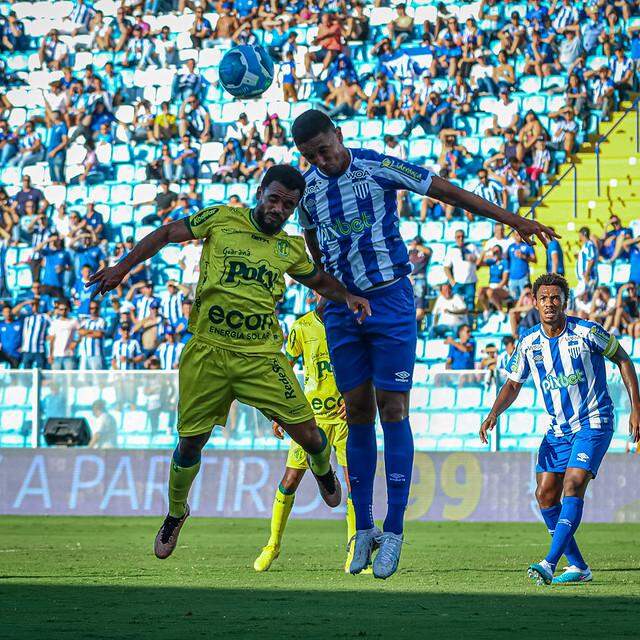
x: 307, y: 338
x: 235, y: 350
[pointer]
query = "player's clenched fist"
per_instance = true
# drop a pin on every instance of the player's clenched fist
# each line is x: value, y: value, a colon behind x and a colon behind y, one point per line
x: 489, y: 424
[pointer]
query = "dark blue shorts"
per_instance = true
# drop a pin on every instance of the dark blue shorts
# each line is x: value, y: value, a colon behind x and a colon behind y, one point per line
x: 382, y: 348
x: 584, y: 450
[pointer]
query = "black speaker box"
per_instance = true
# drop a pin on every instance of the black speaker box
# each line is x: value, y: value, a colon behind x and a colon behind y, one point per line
x: 67, y: 432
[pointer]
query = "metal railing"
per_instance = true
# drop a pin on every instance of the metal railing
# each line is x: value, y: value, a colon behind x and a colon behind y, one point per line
x: 572, y: 168
x: 635, y: 106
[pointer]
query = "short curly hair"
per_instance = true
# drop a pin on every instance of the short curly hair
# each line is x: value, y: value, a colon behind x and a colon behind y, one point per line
x: 551, y: 280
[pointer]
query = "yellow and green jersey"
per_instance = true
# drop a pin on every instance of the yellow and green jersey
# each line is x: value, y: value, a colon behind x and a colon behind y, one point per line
x: 241, y: 279
x: 309, y: 340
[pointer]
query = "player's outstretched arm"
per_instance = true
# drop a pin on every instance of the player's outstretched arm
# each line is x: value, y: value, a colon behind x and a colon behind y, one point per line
x: 328, y: 287
x: 109, y: 278
x: 506, y: 396
x: 628, y: 372
x: 449, y: 193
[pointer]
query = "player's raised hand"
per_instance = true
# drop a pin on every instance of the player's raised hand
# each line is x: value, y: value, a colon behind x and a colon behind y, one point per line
x: 528, y: 229
x: 634, y: 424
x: 359, y: 306
x: 489, y: 424
x: 278, y: 431
x: 106, y: 279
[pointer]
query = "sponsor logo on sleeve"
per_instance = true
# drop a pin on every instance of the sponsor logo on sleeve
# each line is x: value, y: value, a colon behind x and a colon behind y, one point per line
x: 401, y: 167
x: 203, y: 216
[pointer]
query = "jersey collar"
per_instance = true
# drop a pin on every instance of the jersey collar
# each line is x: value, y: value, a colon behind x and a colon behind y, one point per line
x: 564, y: 330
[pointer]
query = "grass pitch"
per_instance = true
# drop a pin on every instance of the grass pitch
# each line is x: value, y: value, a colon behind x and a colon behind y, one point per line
x: 97, y: 578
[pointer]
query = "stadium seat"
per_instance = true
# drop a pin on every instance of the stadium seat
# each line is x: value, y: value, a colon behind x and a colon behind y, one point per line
x: 442, y: 398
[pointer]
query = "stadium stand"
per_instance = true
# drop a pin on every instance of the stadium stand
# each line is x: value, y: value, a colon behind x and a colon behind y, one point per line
x: 112, y: 121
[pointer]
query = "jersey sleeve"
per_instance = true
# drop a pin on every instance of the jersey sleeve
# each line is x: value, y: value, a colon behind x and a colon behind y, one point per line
x: 394, y: 173
x: 301, y: 265
x: 294, y: 342
x: 518, y: 368
x: 304, y: 220
x: 601, y: 341
x: 202, y: 222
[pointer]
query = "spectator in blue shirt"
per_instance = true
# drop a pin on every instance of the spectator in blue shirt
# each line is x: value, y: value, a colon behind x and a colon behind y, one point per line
x: 30, y: 149
x: 13, y: 37
x: 183, y: 210
x: 86, y: 252
x: 612, y: 245
x: 201, y: 30
x: 57, y: 148
x: 633, y: 248
x: 94, y: 220
x: 80, y: 293
x: 496, y: 294
x: 433, y: 116
x: 57, y: 262
x: 539, y: 57
x: 10, y: 337
x: 186, y: 163
x: 8, y: 143
x: 180, y: 326
x: 462, y: 352
x: 519, y: 254
x: 555, y: 257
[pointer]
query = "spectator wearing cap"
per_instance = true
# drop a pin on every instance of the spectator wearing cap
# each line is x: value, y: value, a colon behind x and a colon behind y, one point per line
x: 506, y: 114
x: 57, y: 148
x: 53, y: 53
x: 494, y: 296
x: 586, y: 262
x: 63, y: 337
x: 539, y: 57
x: 10, y: 337
x: 186, y: 162
x: 481, y: 75
x: 460, y: 268
x: 555, y: 257
x: 519, y: 255
x: 565, y: 131
x: 570, y: 48
x: 400, y: 28
x: 419, y: 257
x: 30, y: 148
x: 142, y: 297
x: 188, y: 82
x: 241, y: 131
x: 194, y: 120
x: 164, y: 201
x: 382, y: 101
x: 12, y: 36
x: 449, y: 312
x: 513, y: 35
x: 462, y: 352
x: 183, y: 210
x: 126, y: 353
x: 169, y: 351
x: 150, y: 329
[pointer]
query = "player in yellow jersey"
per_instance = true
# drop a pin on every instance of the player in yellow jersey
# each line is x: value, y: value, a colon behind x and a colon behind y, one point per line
x: 308, y: 339
x: 235, y: 352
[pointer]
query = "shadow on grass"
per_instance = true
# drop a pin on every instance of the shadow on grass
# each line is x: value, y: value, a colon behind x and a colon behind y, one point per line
x: 96, y: 612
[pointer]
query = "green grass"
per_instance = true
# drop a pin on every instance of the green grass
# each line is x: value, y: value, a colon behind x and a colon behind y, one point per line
x: 97, y: 578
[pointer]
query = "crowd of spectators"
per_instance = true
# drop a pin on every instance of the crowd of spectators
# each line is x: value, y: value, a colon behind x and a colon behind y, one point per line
x: 431, y: 75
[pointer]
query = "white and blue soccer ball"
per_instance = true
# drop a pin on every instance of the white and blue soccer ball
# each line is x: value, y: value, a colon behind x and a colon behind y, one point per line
x: 246, y: 71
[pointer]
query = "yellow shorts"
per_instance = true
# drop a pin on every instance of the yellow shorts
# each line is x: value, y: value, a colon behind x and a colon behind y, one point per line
x: 337, y: 437
x: 212, y: 378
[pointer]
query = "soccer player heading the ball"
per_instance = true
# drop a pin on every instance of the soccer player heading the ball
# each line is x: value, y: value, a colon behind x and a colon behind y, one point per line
x: 235, y: 352
x: 351, y: 227
x: 566, y: 357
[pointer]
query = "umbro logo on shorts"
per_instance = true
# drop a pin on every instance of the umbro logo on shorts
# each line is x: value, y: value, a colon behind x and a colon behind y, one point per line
x: 583, y: 457
x: 402, y: 376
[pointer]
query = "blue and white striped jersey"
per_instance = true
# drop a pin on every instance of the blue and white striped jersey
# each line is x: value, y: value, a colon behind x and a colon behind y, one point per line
x: 172, y: 306
x: 589, y: 251
x: 169, y: 354
x: 130, y: 349
x: 356, y: 219
x: 34, y: 333
x: 143, y: 305
x: 569, y: 372
x: 492, y: 191
x: 90, y: 347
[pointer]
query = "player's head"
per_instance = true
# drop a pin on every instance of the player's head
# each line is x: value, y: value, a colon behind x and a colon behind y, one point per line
x: 320, y: 142
x: 550, y: 297
x: 584, y: 235
x: 278, y: 195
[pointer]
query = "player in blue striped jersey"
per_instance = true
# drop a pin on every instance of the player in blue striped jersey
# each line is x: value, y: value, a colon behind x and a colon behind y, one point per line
x: 349, y: 214
x: 126, y: 352
x: 34, y: 332
x: 92, y: 331
x: 566, y: 358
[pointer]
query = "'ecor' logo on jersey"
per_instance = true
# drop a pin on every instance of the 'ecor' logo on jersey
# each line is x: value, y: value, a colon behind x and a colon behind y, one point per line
x: 553, y: 383
x: 361, y: 189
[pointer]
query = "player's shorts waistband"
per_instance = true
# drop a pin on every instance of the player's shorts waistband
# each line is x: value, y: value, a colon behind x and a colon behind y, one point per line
x: 384, y: 288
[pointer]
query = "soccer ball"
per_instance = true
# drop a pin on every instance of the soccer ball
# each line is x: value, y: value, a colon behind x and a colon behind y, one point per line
x: 246, y: 71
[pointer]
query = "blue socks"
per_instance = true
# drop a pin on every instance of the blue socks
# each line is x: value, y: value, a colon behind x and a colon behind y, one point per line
x: 398, y: 462
x: 568, y: 522
x: 362, y: 454
x: 572, y: 553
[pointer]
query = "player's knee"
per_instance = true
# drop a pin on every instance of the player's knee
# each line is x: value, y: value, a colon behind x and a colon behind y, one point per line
x: 291, y: 480
x: 574, y: 486
x: 190, y: 448
x: 546, y: 496
x: 392, y: 408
